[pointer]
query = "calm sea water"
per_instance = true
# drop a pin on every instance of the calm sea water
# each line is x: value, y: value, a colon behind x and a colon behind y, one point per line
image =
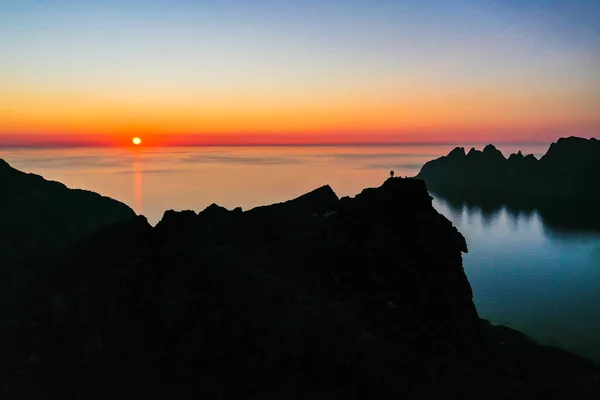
x: 542, y: 280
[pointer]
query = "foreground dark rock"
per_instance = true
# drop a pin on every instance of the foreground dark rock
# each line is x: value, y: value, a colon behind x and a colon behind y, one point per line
x: 318, y: 297
x: 38, y: 219
x: 561, y: 184
x: 40, y: 216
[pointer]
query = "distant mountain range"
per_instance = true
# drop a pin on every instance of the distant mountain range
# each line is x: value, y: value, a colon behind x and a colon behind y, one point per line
x: 569, y: 170
x: 314, y: 298
x: 562, y: 184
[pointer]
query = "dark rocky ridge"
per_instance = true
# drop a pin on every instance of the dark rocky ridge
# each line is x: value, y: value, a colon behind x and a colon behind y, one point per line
x: 47, y: 216
x: 39, y: 218
x: 318, y: 297
x: 561, y: 185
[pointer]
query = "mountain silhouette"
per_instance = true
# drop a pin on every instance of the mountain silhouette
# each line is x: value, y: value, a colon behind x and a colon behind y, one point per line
x: 317, y: 297
x: 39, y: 218
x: 561, y: 184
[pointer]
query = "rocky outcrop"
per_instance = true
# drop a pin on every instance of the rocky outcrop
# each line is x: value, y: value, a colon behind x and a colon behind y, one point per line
x: 367, y: 252
x: 39, y: 218
x: 318, y: 297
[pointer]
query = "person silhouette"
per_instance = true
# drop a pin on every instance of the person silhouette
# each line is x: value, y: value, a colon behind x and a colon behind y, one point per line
x: 391, y: 174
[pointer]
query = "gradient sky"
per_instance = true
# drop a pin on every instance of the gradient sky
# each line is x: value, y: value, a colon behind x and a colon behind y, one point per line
x: 279, y: 71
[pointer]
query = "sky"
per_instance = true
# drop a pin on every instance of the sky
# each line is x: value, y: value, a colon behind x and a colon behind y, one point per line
x: 304, y: 71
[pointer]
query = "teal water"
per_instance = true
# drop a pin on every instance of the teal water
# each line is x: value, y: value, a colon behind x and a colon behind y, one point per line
x: 542, y: 280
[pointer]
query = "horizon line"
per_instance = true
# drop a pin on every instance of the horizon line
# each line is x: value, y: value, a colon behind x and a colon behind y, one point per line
x: 67, y: 140
x: 272, y: 144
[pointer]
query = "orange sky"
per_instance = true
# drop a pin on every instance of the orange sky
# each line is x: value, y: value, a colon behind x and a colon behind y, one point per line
x: 99, y: 75
x: 470, y: 115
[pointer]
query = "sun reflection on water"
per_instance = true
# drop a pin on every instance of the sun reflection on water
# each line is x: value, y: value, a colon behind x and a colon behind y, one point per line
x: 138, y: 182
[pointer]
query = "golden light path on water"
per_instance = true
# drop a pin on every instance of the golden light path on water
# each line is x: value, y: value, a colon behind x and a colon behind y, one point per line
x: 138, y: 182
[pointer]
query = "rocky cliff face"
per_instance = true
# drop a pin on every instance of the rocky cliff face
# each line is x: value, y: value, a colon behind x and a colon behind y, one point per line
x: 318, y: 297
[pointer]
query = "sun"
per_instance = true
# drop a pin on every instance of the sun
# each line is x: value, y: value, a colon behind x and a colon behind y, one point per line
x: 137, y: 141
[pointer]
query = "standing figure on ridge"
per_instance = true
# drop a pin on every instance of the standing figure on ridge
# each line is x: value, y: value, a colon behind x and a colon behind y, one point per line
x: 391, y: 174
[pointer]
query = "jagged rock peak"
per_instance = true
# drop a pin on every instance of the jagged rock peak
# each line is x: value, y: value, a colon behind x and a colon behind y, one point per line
x: 214, y: 207
x: 324, y: 192
x: 172, y: 213
x: 213, y: 211
x: 140, y: 222
x: 6, y: 169
x: 174, y: 217
x: 473, y: 151
x: 574, y: 148
x: 457, y: 152
x: 516, y: 156
x: 568, y: 142
x: 490, y: 148
x: 574, y: 139
x: 319, y: 199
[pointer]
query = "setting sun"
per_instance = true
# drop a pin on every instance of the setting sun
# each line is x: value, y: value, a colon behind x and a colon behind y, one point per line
x: 137, y: 141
